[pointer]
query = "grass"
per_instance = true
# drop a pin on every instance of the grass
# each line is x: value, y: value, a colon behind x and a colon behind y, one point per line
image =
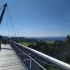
x: 49, y: 41
x: 28, y: 43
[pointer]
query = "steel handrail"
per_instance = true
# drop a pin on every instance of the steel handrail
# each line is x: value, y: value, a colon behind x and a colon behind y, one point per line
x: 48, y: 58
x: 31, y: 58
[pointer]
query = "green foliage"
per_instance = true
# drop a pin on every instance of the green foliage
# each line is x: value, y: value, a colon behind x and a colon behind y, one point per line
x: 57, y: 49
x: 49, y: 41
x: 54, y: 68
x: 51, y: 49
x: 28, y: 43
x: 65, y: 53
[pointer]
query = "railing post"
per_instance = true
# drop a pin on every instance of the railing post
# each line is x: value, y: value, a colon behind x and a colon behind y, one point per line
x: 30, y: 66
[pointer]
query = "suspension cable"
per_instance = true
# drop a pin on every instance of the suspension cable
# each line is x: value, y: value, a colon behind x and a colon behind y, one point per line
x: 7, y: 22
x: 1, y: 8
x: 3, y: 31
x: 13, y: 22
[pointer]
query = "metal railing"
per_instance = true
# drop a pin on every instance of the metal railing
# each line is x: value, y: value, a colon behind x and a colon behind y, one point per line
x: 35, y: 60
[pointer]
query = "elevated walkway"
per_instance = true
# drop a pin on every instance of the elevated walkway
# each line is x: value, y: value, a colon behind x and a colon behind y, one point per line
x: 9, y: 59
x: 31, y: 59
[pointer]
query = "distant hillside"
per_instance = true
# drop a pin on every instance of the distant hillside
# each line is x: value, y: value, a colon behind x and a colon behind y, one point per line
x: 36, y: 39
x: 53, y: 38
x: 24, y: 39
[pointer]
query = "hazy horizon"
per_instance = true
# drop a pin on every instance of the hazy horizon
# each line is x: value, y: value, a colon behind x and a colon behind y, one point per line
x: 37, y: 36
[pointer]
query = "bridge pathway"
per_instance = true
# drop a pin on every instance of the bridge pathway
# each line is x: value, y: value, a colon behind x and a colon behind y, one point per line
x: 9, y: 59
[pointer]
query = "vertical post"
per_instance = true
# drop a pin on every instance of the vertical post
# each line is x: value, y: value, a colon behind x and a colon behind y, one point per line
x: 30, y: 66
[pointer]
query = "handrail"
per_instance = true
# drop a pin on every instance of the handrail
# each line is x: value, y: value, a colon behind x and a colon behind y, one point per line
x: 48, y: 58
x: 31, y: 58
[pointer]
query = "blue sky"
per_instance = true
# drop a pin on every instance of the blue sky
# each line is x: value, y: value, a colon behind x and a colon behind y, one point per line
x: 37, y: 18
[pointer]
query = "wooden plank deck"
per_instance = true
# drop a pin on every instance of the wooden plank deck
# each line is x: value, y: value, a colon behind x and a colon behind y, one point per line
x: 9, y: 60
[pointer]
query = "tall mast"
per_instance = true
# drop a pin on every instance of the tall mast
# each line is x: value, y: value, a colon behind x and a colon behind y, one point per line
x: 2, y: 13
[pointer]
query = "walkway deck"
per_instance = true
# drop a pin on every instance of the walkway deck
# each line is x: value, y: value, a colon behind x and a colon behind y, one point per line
x: 9, y: 60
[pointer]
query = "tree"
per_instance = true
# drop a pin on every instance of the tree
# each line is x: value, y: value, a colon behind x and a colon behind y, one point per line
x: 68, y: 39
x: 0, y: 37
